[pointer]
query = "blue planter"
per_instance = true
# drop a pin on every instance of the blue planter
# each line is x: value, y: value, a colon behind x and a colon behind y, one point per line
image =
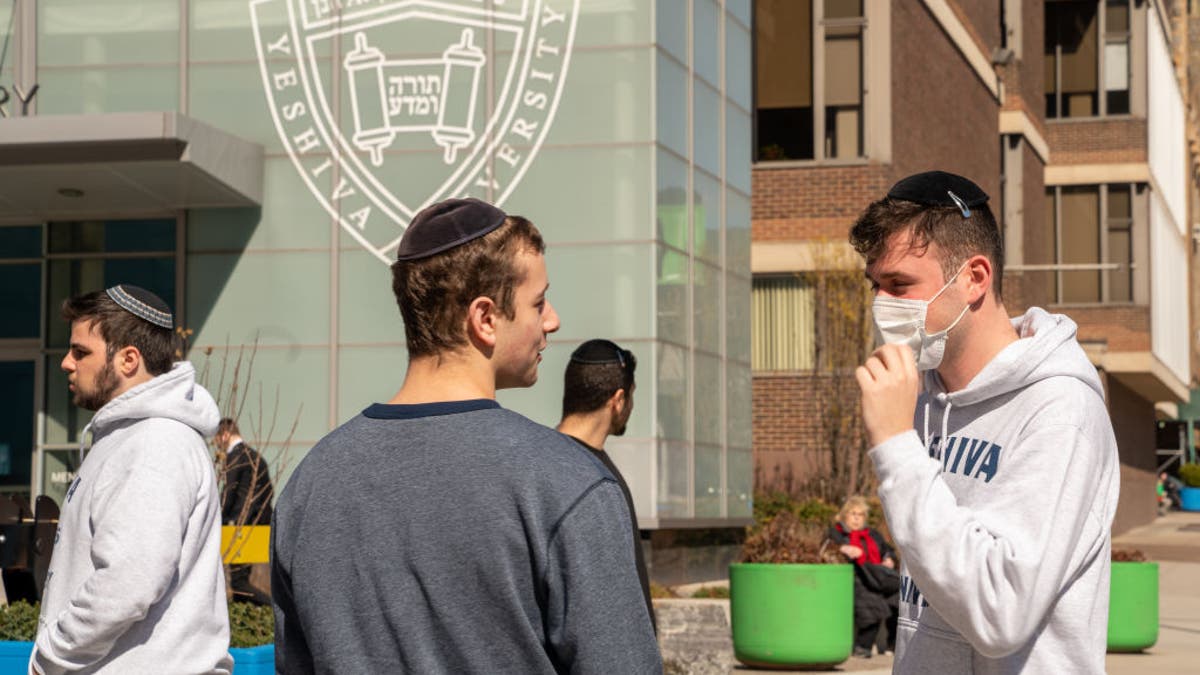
x: 14, y: 659
x: 1189, y: 498
x: 253, y: 660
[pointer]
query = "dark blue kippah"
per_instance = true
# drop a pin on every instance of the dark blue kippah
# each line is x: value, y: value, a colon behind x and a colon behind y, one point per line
x: 938, y: 188
x: 600, y: 351
x: 446, y: 224
x: 143, y: 304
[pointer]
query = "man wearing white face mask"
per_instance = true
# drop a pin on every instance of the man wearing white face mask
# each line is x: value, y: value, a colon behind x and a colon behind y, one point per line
x: 999, y: 476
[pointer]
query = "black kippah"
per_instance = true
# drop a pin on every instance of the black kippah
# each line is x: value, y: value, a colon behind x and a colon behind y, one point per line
x: 599, y: 351
x: 143, y: 304
x: 938, y: 188
x: 446, y: 224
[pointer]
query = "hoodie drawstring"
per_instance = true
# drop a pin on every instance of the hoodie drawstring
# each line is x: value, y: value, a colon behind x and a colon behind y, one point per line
x: 945, y: 428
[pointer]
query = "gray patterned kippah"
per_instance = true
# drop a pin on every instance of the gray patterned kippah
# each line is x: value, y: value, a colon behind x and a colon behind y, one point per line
x: 142, y: 304
x: 446, y: 224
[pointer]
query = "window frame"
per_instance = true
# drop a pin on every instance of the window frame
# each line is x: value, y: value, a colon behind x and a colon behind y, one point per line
x: 1135, y: 227
x: 1103, y: 39
x: 819, y: 110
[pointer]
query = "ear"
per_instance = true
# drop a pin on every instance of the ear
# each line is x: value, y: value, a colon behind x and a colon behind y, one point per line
x: 482, y: 319
x: 616, y: 402
x: 979, y: 278
x: 127, y: 361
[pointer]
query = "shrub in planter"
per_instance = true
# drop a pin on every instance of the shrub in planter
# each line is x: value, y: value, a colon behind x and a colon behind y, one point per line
x: 1133, y: 602
x: 251, y: 632
x: 791, y: 596
x: 1189, y: 494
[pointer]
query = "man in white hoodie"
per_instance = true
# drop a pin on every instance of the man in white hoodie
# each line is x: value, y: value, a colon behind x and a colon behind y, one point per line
x: 996, y: 458
x: 135, y: 582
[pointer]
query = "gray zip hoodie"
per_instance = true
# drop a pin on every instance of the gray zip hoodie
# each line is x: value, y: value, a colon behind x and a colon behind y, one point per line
x: 135, y: 583
x: 1001, y: 508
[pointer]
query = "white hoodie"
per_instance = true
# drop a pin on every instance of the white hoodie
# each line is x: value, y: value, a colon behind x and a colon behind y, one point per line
x: 1004, y: 527
x: 135, y: 582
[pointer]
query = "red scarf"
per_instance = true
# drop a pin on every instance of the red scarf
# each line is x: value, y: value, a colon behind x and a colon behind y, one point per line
x: 863, y: 540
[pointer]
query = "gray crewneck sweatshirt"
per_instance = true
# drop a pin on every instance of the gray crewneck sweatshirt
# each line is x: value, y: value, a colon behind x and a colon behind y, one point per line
x: 1001, y: 505
x: 455, y: 538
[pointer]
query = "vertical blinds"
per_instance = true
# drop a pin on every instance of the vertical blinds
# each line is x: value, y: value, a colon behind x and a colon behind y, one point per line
x: 782, y: 330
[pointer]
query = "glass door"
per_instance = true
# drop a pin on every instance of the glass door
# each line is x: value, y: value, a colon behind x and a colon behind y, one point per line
x: 18, y: 391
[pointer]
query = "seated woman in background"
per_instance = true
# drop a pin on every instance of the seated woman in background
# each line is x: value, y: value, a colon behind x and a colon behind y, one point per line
x: 876, y: 583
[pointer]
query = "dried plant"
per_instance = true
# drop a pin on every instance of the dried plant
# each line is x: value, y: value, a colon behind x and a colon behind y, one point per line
x: 240, y: 398
x: 787, y: 538
x: 1128, y: 555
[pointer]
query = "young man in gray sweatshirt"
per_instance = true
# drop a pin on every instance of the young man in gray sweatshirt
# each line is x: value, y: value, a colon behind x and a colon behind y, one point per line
x: 996, y: 458
x: 438, y: 532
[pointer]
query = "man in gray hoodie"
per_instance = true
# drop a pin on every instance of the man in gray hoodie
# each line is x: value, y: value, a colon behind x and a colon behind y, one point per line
x: 996, y: 458
x: 439, y: 532
x: 135, y: 583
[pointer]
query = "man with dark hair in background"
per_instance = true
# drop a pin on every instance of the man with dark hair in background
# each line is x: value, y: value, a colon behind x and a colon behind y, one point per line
x: 999, y: 476
x: 438, y: 532
x: 245, y: 498
x: 597, y: 402
x: 135, y: 583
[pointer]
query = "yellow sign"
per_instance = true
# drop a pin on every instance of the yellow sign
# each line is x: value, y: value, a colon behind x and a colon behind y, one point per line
x: 252, y: 544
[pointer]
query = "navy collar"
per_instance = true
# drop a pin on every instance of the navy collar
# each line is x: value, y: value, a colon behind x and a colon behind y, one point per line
x: 411, y: 411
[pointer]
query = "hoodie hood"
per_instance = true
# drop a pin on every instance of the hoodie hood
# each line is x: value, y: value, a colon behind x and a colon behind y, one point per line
x: 173, y: 395
x: 1045, y: 348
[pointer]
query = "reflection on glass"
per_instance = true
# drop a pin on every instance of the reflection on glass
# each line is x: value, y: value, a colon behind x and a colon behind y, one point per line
x: 21, y: 241
x: 112, y: 236
x: 20, y: 297
x: 673, y: 475
x: 707, y: 484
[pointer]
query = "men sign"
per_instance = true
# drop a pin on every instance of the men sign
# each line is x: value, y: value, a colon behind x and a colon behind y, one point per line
x: 388, y: 106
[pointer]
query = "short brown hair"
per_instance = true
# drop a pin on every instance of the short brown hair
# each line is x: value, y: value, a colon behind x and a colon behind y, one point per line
x: 433, y: 293
x: 958, y: 238
x: 228, y: 426
x: 121, y: 328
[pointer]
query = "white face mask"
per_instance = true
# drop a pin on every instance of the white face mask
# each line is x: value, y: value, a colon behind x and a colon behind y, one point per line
x: 902, y: 321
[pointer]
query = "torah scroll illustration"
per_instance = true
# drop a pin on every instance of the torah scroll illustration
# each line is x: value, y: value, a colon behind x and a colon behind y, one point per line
x: 416, y: 95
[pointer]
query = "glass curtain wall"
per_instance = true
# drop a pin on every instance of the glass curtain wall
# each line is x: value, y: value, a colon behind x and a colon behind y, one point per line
x: 640, y: 185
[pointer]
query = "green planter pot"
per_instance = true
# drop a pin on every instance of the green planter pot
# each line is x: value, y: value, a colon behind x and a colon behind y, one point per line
x: 791, y: 615
x: 1133, y: 606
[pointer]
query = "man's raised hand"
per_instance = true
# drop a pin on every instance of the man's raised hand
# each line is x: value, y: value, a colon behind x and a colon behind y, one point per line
x: 889, y: 383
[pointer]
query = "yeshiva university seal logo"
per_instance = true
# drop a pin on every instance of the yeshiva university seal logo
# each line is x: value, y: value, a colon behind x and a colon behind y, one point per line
x: 387, y: 106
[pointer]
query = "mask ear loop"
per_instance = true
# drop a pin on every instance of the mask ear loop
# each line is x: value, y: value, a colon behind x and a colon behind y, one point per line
x: 962, y: 206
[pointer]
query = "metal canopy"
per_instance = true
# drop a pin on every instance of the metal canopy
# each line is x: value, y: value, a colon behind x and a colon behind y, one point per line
x: 59, y: 166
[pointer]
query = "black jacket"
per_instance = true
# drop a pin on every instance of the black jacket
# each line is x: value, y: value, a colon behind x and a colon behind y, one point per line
x: 247, y: 478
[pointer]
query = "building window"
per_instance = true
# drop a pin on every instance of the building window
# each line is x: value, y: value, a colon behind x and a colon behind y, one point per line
x: 808, y: 79
x: 1087, y: 58
x: 20, y: 281
x: 1094, y: 242
x: 783, y: 335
